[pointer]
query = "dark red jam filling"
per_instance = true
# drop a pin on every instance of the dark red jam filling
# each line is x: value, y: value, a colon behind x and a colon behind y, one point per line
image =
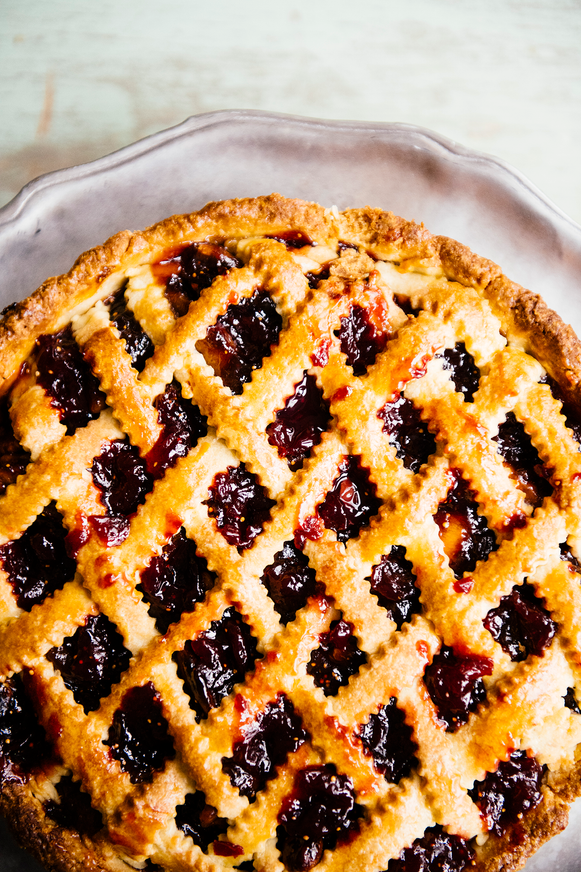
x: 568, y: 410
x: 74, y: 810
x: 455, y: 684
x: 175, y: 581
x: 123, y: 480
x: 290, y: 581
x: 360, y: 340
x: 394, y: 584
x: 520, y: 624
x: 266, y: 743
x: 137, y: 343
x: 37, y: 564
x: 298, y: 427
x: 505, y: 795
x: 292, y: 238
x: 138, y: 736
x: 23, y: 743
x: 194, y: 269
x: 465, y: 534
x: 517, y: 450
x: 569, y: 557
x: 200, y: 821
x: 67, y: 378
x: 463, y: 371
x: 336, y: 659
x: 571, y: 701
x: 351, y: 502
x: 405, y: 305
x: 388, y: 739
x: 215, y: 661
x: 319, y: 813
x: 91, y: 661
x: 436, y: 851
x: 314, y: 278
x: 183, y: 424
x: 241, y: 338
x: 13, y: 458
x: 409, y: 435
x: 239, y: 504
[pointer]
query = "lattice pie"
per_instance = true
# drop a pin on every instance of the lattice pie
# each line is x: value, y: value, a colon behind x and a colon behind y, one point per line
x: 289, y: 537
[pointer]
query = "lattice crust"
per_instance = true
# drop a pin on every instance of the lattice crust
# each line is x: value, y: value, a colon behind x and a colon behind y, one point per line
x: 386, y: 267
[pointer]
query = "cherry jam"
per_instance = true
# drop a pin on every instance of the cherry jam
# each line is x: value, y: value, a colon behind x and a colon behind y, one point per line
x: 240, y: 506
x: 193, y: 270
x: 137, y: 343
x: 200, y: 821
x: 568, y: 409
x: 505, y: 795
x: 571, y: 701
x: 91, y: 661
x: 121, y: 476
x: 413, y: 442
x: 297, y: 428
x: 266, y: 743
x: 336, y: 659
x: 13, y: 457
x: 394, y: 584
x: 435, y: 851
x: 520, y: 623
x: 183, y: 424
x: 463, y: 371
x: 517, y: 450
x: 351, y: 502
x: 455, y: 684
x: 73, y: 811
x: 292, y: 238
x: 215, y: 661
x: 465, y: 533
x: 23, y: 742
x: 290, y: 581
x: 388, y: 739
x: 360, y: 340
x: 138, y: 736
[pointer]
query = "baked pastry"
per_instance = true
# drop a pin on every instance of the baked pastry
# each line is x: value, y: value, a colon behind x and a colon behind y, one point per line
x: 289, y: 547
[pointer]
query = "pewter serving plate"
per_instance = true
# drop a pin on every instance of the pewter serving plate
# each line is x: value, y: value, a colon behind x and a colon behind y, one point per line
x: 420, y: 175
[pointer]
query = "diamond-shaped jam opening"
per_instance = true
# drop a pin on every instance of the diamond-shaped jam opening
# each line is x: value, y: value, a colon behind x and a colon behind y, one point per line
x: 241, y: 338
x: 73, y: 811
x: 13, y: 457
x: 568, y: 409
x: 394, y: 584
x: 188, y: 271
x: 520, y: 624
x: 137, y: 343
x: 465, y: 533
x: 360, y: 340
x: 200, y: 821
x: 212, y: 663
x: 266, y: 743
x: 455, y: 685
x: 336, y: 659
x: 37, y: 564
x: 67, y: 378
x: 183, y: 424
x: 402, y: 421
x: 518, y: 452
x: 505, y: 795
x: 23, y: 743
x: 319, y: 814
x: 463, y: 371
x: 121, y: 476
x: 435, y: 851
x: 298, y: 427
x: 239, y: 504
x: 388, y: 739
x: 91, y: 661
x: 138, y: 736
x: 351, y: 502
x: 290, y: 581
x: 175, y: 581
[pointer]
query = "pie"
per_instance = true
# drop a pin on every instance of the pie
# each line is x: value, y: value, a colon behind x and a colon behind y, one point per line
x: 290, y: 532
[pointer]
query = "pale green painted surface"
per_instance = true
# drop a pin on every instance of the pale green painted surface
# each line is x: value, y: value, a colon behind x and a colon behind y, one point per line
x: 79, y: 79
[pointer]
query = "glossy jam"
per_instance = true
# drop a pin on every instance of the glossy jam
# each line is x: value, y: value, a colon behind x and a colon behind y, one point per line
x: 455, y: 684
x: 520, y: 624
x: 13, y: 458
x: 569, y: 557
x: 121, y: 476
x: 37, y: 564
x: 215, y: 661
x: 407, y: 432
x: 67, y: 378
x: 463, y: 371
x: 436, y: 851
x: 183, y: 424
x: 571, y: 701
x: 74, y: 811
x: 394, y: 584
x: 388, y: 739
x: 241, y: 338
x: 517, y: 450
x: 351, y: 502
x: 319, y: 813
x: 175, y: 581
x: 23, y: 742
x: 360, y: 340
x: 239, y: 504
x: 297, y: 428
x: 569, y: 410
x: 200, y: 821
x: 91, y: 660
x: 405, y: 304
x: 292, y: 238
x: 137, y: 343
x: 289, y: 581
x: 505, y: 795
x: 465, y: 534
x: 336, y: 659
x: 266, y: 743
x: 193, y: 270
x: 138, y: 736
x: 314, y: 278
